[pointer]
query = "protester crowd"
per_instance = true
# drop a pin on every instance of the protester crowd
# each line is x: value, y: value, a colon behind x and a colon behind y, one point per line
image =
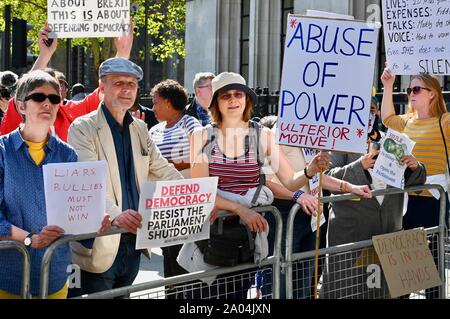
x: 215, y: 136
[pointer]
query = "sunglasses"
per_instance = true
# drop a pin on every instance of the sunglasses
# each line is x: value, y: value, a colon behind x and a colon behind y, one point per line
x: 416, y: 90
x: 40, y: 97
x: 227, y: 96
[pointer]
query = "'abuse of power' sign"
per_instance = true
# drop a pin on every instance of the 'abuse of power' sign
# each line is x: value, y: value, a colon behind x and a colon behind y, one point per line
x: 75, y: 195
x: 175, y: 212
x: 326, y: 85
x: 88, y: 18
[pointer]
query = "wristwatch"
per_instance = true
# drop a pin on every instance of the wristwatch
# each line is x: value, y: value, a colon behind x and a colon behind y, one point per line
x: 27, y: 240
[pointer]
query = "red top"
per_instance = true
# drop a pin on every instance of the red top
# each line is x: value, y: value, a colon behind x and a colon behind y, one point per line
x: 236, y: 175
x: 65, y: 116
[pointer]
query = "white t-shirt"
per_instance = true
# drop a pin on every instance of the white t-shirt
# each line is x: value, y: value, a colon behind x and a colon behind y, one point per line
x: 173, y: 142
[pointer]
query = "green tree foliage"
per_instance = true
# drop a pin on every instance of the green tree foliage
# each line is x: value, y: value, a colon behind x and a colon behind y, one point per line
x: 166, y: 25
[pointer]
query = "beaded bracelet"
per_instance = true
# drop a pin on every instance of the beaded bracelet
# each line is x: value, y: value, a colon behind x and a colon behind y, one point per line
x: 297, y: 195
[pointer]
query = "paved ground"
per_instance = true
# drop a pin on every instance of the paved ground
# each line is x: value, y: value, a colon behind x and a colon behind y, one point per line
x: 152, y: 269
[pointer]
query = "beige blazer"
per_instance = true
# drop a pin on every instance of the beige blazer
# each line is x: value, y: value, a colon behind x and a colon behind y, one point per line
x: 91, y: 137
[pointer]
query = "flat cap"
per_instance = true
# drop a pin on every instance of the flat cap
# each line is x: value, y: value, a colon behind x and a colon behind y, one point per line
x: 120, y: 66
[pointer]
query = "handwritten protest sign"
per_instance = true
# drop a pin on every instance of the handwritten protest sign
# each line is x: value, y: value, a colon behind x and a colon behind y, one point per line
x: 308, y: 154
x: 75, y: 195
x: 417, y: 36
x: 326, y: 84
x: 389, y: 168
x: 407, y: 262
x: 175, y: 212
x: 88, y: 18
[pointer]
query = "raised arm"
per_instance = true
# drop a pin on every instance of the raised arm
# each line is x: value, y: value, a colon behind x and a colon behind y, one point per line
x: 46, y: 51
x: 387, y: 104
x: 124, y: 43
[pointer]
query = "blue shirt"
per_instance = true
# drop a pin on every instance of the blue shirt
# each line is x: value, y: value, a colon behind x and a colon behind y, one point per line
x: 22, y: 204
x: 124, y: 154
x: 202, y: 114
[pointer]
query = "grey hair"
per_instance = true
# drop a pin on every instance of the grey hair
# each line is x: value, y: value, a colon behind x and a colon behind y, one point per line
x: 201, y: 77
x: 34, y: 79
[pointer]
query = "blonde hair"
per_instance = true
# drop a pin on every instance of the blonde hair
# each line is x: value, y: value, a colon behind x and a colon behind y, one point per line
x: 437, y: 103
x: 216, y: 116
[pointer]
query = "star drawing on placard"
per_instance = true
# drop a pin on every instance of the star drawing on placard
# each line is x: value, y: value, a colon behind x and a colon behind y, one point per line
x: 293, y: 23
x: 359, y: 132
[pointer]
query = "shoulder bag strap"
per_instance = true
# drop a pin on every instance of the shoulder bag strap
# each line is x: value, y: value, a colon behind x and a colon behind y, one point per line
x: 255, y: 132
x: 445, y: 144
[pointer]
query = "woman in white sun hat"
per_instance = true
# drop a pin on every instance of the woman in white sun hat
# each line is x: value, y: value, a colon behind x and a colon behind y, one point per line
x: 235, y: 162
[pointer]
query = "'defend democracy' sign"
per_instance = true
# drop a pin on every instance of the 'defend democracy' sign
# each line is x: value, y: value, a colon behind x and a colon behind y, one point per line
x: 88, y: 18
x: 417, y: 36
x: 326, y: 85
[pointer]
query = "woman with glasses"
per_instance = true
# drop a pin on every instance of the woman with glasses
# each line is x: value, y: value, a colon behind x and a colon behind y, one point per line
x: 235, y: 162
x: 23, y: 153
x: 422, y: 123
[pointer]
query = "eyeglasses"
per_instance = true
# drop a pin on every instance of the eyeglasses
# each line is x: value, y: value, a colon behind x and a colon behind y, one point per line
x: 64, y: 84
x: 227, y: 96
x: 40, y: 97
x: 204, y: 86
x: 416, y: 89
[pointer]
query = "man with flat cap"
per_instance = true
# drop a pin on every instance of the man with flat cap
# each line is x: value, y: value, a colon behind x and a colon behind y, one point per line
x: 110, y: 133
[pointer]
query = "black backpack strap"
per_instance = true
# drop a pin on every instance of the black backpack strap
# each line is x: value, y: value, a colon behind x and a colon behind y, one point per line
x: 255, y: 139
x: 211, y: 139
x: 445, y: 144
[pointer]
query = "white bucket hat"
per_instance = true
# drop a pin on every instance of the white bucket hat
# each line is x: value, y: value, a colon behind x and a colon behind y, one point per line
x: 230, y: 81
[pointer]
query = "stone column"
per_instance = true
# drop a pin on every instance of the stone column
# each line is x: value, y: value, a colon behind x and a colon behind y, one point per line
x: 201, y: 41
x: 264, y: 46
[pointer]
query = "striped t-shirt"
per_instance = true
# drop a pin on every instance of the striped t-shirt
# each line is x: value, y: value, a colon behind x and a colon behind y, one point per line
x: 236, y: 175
x: 429, y: 148
x: 173, y: 142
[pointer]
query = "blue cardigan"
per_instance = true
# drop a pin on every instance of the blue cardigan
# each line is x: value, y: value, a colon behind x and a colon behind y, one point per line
x: 22, y: 204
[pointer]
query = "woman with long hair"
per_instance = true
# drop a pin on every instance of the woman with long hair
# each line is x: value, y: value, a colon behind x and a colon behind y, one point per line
x: 427, y: 123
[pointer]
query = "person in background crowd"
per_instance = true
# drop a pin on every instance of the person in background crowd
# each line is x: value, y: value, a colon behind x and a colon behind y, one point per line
x: 304, y: 237
x: 8, y: 82
x: 64, y: 85
x: 73, y: 109
x: 143, y: 113
x: 374, y: 120
x: 22, y: 213
x: 426, y: 115
x: 78, y: 92
x: 111, y: 133
x: 172, y: 136
x: 198, y: 108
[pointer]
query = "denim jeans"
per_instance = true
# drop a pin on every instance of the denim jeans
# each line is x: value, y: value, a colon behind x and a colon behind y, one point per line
x: 121, y: 274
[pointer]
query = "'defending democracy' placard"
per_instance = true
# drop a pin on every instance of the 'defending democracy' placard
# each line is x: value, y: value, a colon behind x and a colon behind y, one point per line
x: 88, y: 18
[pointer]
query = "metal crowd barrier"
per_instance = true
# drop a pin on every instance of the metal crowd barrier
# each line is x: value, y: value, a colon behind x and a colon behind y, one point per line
x: 26, y: 268
x: 344, y: 255
x: 45, y: 265
x: 184, y: 283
